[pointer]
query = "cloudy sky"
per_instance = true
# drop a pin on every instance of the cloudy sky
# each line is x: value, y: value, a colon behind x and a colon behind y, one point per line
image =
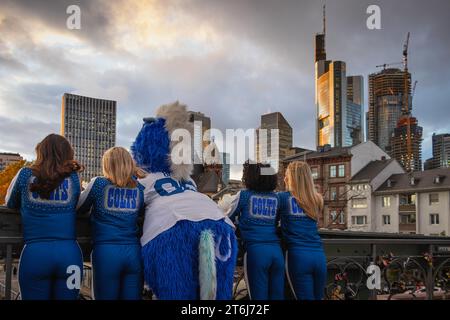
x: 232, y: 60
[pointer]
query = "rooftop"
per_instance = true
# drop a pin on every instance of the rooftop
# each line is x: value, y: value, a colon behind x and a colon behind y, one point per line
x: 423, y: 181
x: 370, y: 171
x: 332, y: 152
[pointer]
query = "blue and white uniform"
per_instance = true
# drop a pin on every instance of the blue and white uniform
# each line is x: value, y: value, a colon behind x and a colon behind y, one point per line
x: 174, y: 240
x: 116, y: 253
x: 305, y: 259
x: 256, y: 214
x: 51, y: 263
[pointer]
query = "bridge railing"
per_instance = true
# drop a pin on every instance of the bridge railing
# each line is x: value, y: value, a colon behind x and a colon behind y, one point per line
x: 410, y: 266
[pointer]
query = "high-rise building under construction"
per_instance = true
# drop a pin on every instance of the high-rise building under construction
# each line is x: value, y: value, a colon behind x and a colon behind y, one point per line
x: 411, y: 159
x: 386, y: 90
x: 391, y: 124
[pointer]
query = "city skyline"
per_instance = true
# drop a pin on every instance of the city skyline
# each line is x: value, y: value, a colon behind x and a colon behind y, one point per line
x: 183, y: 53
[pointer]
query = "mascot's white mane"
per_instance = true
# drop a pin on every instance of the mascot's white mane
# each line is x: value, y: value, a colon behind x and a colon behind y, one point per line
x: 177, y: 117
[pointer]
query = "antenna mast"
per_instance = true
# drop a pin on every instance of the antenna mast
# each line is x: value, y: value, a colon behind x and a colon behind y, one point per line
x: 324, y: 19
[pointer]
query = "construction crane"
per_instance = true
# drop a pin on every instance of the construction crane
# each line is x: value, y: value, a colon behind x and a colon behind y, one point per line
x: 413, y: 90
x: 389, y: 64
x: 406, y: 109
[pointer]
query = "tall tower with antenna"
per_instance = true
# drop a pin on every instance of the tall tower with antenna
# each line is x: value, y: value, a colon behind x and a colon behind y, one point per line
x: 339, y: 99
x: 320, y: 41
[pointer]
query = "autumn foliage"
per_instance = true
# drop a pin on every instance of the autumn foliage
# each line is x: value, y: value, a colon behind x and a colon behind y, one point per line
x: 6, y: 177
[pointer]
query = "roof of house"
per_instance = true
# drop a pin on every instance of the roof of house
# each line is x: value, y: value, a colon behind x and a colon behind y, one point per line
x: 333, y: 152
x: 423, y: 181
x: 370, y: 171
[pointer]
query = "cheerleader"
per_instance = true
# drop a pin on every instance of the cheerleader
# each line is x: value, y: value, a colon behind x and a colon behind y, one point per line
x: 305, y: 258
x: 46, y: 193
x: 115, y: 201
x: 255, y: 211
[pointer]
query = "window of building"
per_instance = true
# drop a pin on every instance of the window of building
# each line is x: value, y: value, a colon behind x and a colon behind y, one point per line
x: 434, y: 218
x: 386, y: 219
x: 386, y: 202
x: 333, y: 216
x: 315, y: 172
x: 341, y: 170
x: 359, y: 203
x: 407, y: 218
x: 407, y: 199
x: 332, y: 171
x: 434, y: 198
x: 366, y: 187
x: 359, y: 220
x: 333, y: 193
x: 341, y: 218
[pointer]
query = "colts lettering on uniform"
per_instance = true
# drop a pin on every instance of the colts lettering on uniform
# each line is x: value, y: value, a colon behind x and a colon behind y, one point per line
x: 295, y: 208
x: 263, y: 207
x: 120, y: 198
x: 60, y: 194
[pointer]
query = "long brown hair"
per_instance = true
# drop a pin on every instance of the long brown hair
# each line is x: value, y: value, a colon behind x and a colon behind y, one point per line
x: 53, y: 164
x: 300, y: 183
x: 120, y: 168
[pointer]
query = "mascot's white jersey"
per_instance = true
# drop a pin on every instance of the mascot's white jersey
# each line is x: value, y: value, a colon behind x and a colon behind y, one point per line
x: 168, y: 201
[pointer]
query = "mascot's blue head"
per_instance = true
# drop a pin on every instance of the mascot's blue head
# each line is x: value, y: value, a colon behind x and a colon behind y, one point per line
x: 153, y: 147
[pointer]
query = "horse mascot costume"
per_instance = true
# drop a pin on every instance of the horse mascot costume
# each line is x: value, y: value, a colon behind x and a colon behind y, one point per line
x: 189, y: 247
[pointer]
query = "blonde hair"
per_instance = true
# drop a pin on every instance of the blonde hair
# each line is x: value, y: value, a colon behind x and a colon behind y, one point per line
x: 120, y: 168
x: 301, y: 185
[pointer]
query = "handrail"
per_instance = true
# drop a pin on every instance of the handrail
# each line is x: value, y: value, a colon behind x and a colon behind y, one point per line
x: 349, y: 251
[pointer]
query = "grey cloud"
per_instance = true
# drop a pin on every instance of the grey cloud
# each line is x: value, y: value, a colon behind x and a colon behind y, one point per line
x: 221, y: 84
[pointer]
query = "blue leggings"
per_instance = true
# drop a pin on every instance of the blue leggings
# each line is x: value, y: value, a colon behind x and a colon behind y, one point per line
x: 51, y: 270
x: 307, y: 272
x: 117, y: 272
x: 264, y: 269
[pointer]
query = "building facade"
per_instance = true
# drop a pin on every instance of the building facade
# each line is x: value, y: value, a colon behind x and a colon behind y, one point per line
x: 416, y: 203
x: 6, y: 158
x: 200, y: 137
x: 333, y: 169
x: 265, y: 151
x: 354, y: 129
x: 339, y: 101
x: 226, y: 167
x: 90, y: 126
x: 408, y: 154
x: 441, y: 152
x: 362, y: 213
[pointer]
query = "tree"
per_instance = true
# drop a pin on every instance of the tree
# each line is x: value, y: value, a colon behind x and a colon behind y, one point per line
x: 7, y: 175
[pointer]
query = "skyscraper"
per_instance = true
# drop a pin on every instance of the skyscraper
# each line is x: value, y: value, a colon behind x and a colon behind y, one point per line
x: 441, y: 152
x: 385, y: 105
x: 354, y: 132
x: 339, y: 100
x: 226, y: 168
x: 269, y: 122
x: 410, y: 160
x: 201, y: 123
x: 90, y: 126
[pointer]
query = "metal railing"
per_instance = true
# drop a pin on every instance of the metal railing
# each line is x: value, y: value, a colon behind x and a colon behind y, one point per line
x: 409, y: 264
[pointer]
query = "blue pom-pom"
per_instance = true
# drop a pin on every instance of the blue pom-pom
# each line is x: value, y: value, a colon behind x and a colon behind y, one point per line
x: 151, y: 148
